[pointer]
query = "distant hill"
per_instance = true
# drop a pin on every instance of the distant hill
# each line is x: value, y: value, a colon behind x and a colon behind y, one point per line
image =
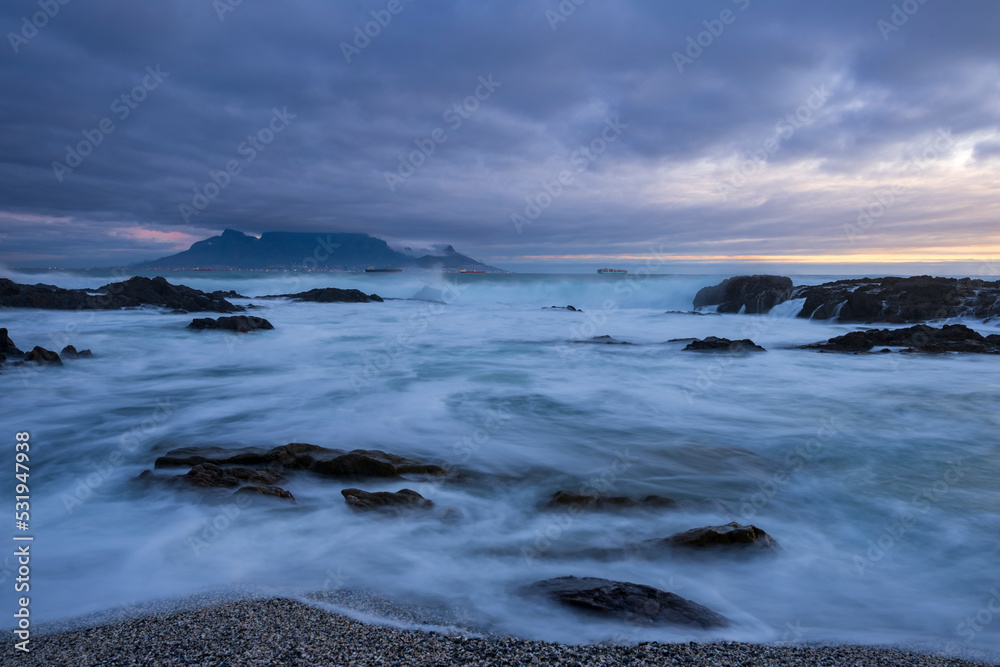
x: 297, y: 250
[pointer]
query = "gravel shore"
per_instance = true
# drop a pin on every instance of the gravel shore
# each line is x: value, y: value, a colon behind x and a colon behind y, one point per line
x: 278, y: 631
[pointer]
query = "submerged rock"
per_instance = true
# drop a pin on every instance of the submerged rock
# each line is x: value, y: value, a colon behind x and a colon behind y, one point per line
x: 732, y: 535
x: 582, y: 501
x: 745, y: 294
x: 575, y: 310
x: 43, y: 356
x: 603, y: 340
x: 364, y: 500
x: 919, y: 338
x: 131, y: 293
x: 329, y: 295
x: 724, y: 344
x: 632, y: 603
x: 71, y: 352
x: 237, y: 323
x: 264, y: 491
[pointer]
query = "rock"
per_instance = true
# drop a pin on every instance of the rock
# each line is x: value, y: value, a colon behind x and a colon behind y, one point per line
x: 603, y: 340
x: 238, y: 323
x: 132, y: 293
x: 732, y: 535
x: 43, y: 356
x: 7, y: 345
x: 581, y: 501
x: 745, y: 294
x: 735, y: 346
x: 631, y: 603
x: 206, y: 476
x: 363, y: 500
x: 575, y: 310
x: 70, y: 352
x: 356, y: 464
x: 264, y: 491
x: 231, y: 294
x: 919, y: 338
x: 329, y: 295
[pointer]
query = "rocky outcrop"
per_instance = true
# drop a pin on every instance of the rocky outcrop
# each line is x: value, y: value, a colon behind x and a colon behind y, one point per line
x: 7, y: 346
x: 71, y: 352
x: 730, y: 536
x: 43, y: 356
x: 919, y: 338
x: 237, y: 323
x: 244, y: 480
x: 713, y: 344
x: 631, y: 603
x: 603, y: 340
x: 745, y: 294
x: 131, y: 293
x: 568, y: 499
x: 404, y: 498
x: 356, y: 464
x: 571, y: 308
x: 329, y: 295
x: 273, y: 491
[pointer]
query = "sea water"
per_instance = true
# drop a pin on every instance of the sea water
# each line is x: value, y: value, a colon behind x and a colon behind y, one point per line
x: 877, y: 474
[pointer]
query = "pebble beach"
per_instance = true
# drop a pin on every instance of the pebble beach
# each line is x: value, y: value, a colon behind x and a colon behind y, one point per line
x: 279, y: 631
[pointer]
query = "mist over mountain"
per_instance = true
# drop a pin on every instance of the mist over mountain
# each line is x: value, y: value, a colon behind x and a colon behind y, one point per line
x: 304, y: 250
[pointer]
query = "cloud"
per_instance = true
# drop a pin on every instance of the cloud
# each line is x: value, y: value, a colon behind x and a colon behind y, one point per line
x: 662, y: 181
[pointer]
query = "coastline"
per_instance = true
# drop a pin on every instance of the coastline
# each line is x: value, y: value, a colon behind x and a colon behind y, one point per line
x: 275, y: 630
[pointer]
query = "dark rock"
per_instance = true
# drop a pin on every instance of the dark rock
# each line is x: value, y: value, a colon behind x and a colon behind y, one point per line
x: 732, y: 535
x: 43, y: 356
x: 208, y: 475
x: 231, y: 294
x: 582, y: 501
x: 575, y: 310
x: 735, y: 346
x: 603, y: 340
x: 131, y: 293
x: 356, y: 465
x: 900, y: 300
x: 7, y: 345
x: 265, y: 491
x: 632, y: 603
x: 919, y: 338
x: 238, y: 323
x: 329, y: 295
x: 358, y: 499
x: 71, y: 352
x: 748, y: 294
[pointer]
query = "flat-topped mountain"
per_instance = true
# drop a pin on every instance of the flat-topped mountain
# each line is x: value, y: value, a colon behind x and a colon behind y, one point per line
x: 304, y: 250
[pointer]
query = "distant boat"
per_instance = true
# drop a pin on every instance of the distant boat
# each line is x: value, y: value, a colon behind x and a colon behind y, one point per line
x: 621, y: 271
x: 470, y: 271
x: 372, y: 269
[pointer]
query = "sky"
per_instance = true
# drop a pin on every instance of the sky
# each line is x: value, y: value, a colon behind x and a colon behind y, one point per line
x: 699, y: 135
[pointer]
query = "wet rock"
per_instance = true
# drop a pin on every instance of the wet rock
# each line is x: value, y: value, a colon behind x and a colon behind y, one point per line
x: 231, y: 294
x: 356, y: 465
x: 746, y: 294
x: 329, y: 295
x: 43, y: 356
x: 631, y: 603
x: 207, y: 475
x: 7, y: 345
x: 919, y: 338
x: 71, y: 352
x: 569, y: 499
x: 575, y: 310
x: 131, y: 293
x: 603, y: 340
x: 713, y: 343
x: 404, y: 498
x: 237, y: 323
x: 730, y: 536
x: 265, y: 491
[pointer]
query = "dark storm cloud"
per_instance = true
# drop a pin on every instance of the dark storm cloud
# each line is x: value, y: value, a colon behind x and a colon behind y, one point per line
x: 209, y: 79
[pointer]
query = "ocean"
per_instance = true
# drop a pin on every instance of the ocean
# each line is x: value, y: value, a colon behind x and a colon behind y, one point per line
x: 877, y: 474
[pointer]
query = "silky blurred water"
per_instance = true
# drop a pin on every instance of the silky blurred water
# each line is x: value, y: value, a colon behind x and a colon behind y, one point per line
x: 876, y: 473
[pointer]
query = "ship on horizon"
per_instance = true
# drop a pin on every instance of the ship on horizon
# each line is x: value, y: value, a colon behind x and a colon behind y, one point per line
x: 618, y: 271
